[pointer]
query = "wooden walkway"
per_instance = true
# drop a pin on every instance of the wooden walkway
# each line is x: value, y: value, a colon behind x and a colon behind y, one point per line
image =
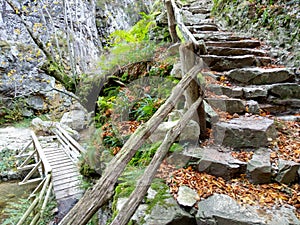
x: 65, y: 175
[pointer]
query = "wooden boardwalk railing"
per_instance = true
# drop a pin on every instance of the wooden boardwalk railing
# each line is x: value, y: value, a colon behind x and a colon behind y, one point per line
x: 51, y: 162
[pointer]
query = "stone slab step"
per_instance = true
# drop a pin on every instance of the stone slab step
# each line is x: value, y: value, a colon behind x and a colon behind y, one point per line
x: 196, y: 10
x: 217, y: 161
x: 249, y: 43
x: 259, y: 76
x: 225, y: 63
x: 217, y: 36
x: 230, y: 105
x: 245, y: 132
x: 190, y: 19
x: 226, y: 51
x: 203, y: 27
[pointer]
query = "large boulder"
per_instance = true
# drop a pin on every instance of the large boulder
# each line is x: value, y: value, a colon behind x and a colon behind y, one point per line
x: 77, y: 118
x: 221, y: 209
x: 253, y: 131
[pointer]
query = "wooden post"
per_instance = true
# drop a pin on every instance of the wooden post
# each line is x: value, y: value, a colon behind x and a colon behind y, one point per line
x: 171, y: 21
x: 144, y: 182
x: 193, y: 92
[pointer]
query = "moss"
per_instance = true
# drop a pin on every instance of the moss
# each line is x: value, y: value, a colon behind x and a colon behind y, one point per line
x: 162, y: 194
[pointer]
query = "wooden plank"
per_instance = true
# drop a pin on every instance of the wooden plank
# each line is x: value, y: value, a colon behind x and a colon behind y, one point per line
x: 67, y: 193
x: 32, y: 171
x: 65, y: 186
x: 60, y: 176
x: 62, y: 161
x: 57, y: 156
x: 27, y: 167
x: 57, y: 173
x: 31, y: 181
x: 64, y: 167
x: 66, y: 180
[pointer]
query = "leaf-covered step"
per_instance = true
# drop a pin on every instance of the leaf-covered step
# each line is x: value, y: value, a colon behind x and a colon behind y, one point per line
x: 259, y: 76
x: 225, y: 63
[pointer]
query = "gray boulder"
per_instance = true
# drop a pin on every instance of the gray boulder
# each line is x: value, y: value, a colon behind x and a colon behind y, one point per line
x: 218, y: 162
x: 221, y: 209
x: 168, y: 213
x: 187, y: 196
x: 190, y: 132
x: 77, y: 118
x: 253, y: 107
x: 259, y: 167
x: 236, y: 92
x: 253, y: 131
x: 287, y: 171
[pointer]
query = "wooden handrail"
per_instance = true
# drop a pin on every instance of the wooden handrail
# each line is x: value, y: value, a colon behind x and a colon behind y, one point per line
x: 41, y: 154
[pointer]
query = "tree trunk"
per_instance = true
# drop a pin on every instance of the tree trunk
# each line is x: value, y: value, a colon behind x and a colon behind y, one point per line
x: 188, y: 60
x: 96, y: 197
x: 144, y: 182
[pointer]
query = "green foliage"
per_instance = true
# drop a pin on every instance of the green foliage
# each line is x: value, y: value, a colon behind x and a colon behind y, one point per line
x: 13, y: 112
x: 16, y: 210
x: 145, y: 108
x: 8, y: 161
x: 144, y: 155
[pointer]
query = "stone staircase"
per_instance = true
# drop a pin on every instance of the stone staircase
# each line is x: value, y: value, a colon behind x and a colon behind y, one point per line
x: 244, y: 81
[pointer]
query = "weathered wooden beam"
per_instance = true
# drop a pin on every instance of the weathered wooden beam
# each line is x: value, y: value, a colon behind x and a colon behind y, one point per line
x: 96, y: 197
x: 41, y: 153
x: 188, y: 59
x: 144, y: 182
x: 171, y: 21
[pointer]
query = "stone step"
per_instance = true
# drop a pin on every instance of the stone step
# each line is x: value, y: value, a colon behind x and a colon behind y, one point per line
x: 230, y: 105
x: 225, y: 63
x: 248, y: 43
x: 203, y: 27
x: 190, y: 19
x: 245, y: 132
x: 216, y: 36
x: 259, y: 76
x: 226, y: 51
x: 196, y: 10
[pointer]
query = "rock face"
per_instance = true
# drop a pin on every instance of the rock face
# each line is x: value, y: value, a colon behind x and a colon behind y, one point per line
x: 221, y: 209
x: 244, y: 132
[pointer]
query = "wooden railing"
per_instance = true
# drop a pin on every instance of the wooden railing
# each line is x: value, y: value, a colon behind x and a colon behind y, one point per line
x: 72, y: 148
x: 38, y: 165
